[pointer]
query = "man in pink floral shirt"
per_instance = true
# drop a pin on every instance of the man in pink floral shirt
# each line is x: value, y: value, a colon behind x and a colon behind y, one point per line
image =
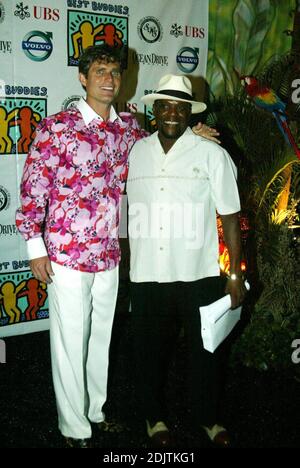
x: 72, y: 184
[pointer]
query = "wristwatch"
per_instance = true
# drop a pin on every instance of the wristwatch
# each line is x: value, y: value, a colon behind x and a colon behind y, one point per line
x: 234, y: 276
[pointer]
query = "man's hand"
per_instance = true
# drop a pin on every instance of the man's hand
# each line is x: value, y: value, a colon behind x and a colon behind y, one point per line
x: 206, y: 132
x: 41, y: 269
x: 237, y: 290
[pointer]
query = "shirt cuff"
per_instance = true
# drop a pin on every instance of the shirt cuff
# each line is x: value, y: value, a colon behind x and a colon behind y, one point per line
x: 36, y: 248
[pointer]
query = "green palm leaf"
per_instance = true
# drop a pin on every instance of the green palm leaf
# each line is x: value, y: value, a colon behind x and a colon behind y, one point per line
x: 252, y: 20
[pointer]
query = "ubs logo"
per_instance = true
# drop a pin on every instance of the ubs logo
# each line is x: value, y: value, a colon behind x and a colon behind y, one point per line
x: 46, y: 13
x: 195, y: 32
x: 4, y: 198
x: 22, y: 11
x: 39, y: 12
x: 150, y: 30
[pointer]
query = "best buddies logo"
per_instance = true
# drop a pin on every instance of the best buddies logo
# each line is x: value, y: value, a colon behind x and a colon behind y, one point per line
x: 24, y: 298
x: 88, y: 29
x: 19, y: 118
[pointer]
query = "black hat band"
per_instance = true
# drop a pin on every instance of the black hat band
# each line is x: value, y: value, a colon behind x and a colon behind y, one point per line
x: 178, y: 94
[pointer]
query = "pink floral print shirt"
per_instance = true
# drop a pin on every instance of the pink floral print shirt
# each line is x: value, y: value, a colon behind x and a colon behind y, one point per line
x: 73, y: 179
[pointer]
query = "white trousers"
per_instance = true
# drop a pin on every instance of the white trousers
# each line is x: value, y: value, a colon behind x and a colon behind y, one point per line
x: 81, y: 310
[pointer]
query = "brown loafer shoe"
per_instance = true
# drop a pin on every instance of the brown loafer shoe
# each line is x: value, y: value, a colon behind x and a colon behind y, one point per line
x: 111, y: 426
x: 77, y: 443
x: 218, y: 435
x: 159, y: 435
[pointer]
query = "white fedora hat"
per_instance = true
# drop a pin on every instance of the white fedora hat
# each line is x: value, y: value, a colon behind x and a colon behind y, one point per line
x: 176, y: 87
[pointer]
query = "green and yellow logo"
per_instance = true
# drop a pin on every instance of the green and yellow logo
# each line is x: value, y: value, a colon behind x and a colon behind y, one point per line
x: 19, y: 118
x: 88, y: 29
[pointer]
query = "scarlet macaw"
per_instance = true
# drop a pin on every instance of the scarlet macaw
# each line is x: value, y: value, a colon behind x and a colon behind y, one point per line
x: 267, y: 99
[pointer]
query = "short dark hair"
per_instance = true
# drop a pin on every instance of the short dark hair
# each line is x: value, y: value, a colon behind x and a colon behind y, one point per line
x: 101, y: 53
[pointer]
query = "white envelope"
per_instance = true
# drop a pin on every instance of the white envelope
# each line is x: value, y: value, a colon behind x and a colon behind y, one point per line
x: 217, y: 321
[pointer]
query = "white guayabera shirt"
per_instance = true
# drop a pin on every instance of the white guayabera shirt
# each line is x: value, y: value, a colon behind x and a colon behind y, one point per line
x: 173, y: 199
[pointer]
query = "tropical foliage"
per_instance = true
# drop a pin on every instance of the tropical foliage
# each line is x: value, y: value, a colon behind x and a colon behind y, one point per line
x: 243, y: 34
x: 252, y: 137
x: 269, y: 172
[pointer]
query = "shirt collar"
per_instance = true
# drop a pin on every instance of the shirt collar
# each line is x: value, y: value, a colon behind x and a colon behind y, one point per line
x: 88, y: 114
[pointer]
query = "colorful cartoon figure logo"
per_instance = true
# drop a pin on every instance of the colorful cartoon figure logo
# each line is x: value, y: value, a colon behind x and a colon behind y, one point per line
x: 33, y: 290
x: 87, y: 29
x: 18, y: 122
x: 6, y: 120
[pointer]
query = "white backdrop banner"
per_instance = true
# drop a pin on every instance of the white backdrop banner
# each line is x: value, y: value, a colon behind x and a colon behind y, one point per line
x: 40, y: 42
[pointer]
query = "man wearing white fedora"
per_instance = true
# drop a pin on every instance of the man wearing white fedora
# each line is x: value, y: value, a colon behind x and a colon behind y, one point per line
x: 176, y: 184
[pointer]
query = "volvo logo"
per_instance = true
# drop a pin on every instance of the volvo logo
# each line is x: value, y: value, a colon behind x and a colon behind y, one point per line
x: 37, y: 45
x: 188, y: 59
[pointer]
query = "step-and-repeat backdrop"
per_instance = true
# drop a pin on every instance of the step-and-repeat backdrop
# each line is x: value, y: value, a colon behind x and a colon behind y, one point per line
x: 40, y: 42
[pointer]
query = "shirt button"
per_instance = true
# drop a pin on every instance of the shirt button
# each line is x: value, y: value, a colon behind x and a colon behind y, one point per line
x: 161, y: 248
x: 161, y: 228
x: 163, y: 170
x: 161, y: 189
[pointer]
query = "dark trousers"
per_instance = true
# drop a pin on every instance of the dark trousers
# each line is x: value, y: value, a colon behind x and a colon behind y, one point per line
x: 159, y: 311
